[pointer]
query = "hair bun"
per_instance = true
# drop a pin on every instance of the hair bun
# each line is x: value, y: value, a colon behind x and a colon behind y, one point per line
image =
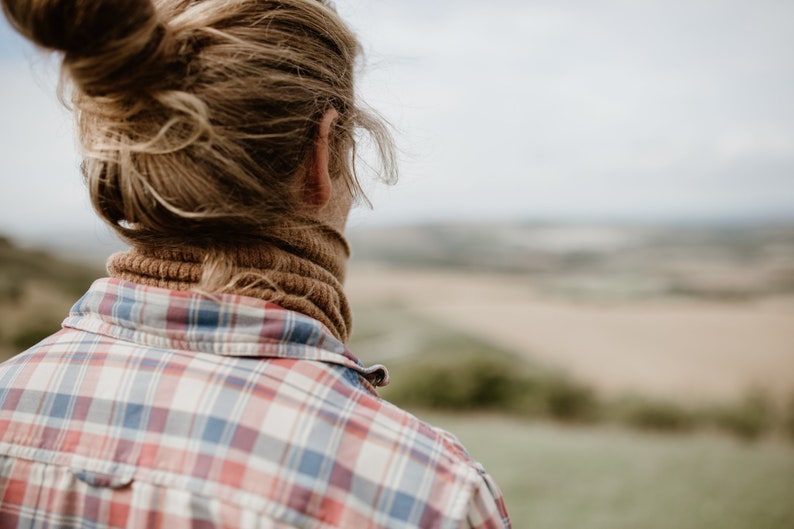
x: 110, y: 46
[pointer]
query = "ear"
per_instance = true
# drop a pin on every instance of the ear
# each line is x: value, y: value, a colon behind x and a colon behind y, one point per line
x: 317, y: 180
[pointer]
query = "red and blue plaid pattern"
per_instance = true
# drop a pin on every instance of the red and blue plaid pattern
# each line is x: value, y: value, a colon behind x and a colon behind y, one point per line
x: 162, y: 409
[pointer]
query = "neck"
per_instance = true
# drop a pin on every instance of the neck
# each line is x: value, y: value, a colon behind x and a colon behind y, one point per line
x: 302, y: 270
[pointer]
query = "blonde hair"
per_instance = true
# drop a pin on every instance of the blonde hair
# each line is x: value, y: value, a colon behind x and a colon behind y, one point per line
x: 196, y: 117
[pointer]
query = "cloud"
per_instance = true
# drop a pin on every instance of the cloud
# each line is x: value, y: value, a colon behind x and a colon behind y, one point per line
x: 516, y: 109
x: 527, y: 108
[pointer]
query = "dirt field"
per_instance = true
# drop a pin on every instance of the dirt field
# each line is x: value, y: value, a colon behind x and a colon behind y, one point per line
x: 681, y: 348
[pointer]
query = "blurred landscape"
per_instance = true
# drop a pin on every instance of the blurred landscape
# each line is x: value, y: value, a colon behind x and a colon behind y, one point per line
x: 698, y: 314
x: 608, y: 376
x: 37, y: 288
x: 592, y: 262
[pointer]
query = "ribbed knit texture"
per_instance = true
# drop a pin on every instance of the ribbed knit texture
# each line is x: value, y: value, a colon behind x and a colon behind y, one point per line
x: 302, y: 270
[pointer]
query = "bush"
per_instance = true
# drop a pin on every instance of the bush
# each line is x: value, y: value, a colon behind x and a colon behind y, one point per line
x: 491, y: 381
x: 788, y: 419
x: 553, y: 395
x: 470, y: 384
x: 32, y: 335
x: 748, y: 419
x: 655, y: 415
x: 11, y: 289
x: 568, y: 400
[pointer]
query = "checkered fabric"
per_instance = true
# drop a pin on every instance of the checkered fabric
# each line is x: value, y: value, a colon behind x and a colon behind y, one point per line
x: 161, y: 409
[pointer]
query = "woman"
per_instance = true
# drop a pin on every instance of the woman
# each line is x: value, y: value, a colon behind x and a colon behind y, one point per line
x: 206, y: 382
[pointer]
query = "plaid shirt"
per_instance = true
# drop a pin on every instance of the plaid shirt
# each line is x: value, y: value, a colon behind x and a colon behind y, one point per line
x: 155, y: 408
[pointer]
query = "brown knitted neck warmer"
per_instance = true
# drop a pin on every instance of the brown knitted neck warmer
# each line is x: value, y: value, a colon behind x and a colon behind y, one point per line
x: 302, y: 270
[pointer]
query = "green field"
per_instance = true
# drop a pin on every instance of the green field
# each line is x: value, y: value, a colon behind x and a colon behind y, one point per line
x: 559, y: 477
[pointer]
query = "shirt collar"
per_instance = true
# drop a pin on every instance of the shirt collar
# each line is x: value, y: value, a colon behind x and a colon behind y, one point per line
x: 221, y: 324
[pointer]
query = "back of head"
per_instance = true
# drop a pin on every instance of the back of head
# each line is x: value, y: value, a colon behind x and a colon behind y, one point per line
x: 195, y: 116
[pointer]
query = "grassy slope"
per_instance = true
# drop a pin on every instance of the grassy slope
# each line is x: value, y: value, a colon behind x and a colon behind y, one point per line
x: 606, y: 478
x: 36, y: 291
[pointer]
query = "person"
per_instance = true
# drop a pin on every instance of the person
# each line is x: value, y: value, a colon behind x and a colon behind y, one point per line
x: 206, y: 382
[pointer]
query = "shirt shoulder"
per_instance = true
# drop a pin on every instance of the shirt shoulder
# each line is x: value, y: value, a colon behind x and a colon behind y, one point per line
x: 282, y: 437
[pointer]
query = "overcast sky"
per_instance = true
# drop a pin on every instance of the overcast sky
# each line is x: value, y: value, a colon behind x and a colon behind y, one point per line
x: 515, y: 109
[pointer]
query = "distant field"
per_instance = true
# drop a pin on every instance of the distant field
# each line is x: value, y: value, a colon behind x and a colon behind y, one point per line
x: 605, y: 478
x: 683, y: 348
x: 694, y: 313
